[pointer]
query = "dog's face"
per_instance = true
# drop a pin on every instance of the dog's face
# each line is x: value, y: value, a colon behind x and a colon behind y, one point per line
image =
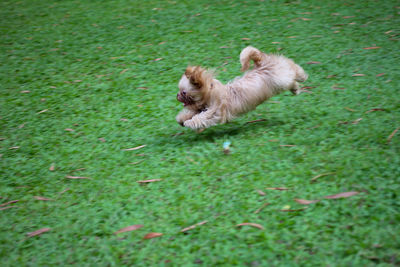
x: 193, y: 86
x: 188, y: 93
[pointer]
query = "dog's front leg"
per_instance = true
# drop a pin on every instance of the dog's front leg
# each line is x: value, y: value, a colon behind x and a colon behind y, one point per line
x: 202, y: 120
x: 296, y: 90
x: 184, y: 115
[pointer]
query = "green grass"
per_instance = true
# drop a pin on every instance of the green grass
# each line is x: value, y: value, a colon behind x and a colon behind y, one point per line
x: 90, y: 66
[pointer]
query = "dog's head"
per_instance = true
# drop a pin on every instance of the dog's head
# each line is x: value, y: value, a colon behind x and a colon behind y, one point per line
x: 194, y: 87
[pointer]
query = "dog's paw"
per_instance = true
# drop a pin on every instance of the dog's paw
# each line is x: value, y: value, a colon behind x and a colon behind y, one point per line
x: 189, y: 124
x: 192, y: 125
x: 295, y: 91
x: 180, y: 120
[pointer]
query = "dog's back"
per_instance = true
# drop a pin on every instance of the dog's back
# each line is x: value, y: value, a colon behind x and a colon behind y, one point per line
x: 278, y: 66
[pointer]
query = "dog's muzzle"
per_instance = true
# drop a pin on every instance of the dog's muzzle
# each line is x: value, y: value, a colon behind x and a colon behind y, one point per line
x: 186, y: 100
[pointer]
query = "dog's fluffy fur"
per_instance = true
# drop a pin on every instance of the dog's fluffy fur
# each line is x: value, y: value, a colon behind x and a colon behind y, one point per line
x: 208, y: 102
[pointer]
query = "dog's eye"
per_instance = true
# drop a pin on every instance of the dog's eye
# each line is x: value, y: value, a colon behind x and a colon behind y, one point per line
x: 183, y: 93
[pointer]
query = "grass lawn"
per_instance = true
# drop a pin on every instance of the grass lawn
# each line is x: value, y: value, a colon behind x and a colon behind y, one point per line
x: 82, y: 81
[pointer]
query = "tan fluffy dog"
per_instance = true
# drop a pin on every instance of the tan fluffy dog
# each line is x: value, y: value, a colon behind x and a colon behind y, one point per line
x: 208, y: 102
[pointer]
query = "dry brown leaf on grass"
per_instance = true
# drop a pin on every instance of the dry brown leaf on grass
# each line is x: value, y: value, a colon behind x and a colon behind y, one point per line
x: 158, y: 59
x: 69, y: 130
x: 307, y: 87
x: 148, y: 181
x: 371, y: 47
x: 65, y: 190
x: 256, y: 225
x: 134, y: 148
x: 263, y: 206
x: 321, y: 175
x: 392, y: 134
x: 313, y: 62
x: 356, y: 121
x: 193, y: 226
x: 8, y: 203
x: 9, y: 207
x: 42, y: 111
x: 38, y: 232
x: 277, y: 188
x: 42, y: 198
x: 375, y: 109
x: 342, y: 195
x: 352, y: 122
x: 129, y: 228
x: 305, y: 201
x: 245, y: 39
x: 292, y: 210
x: 136, y: 162
x: 358, y: 75
x: 14, y: 147
x: 380, y: 74
x: 261, y: 193
x: 52, y: 167
x: 152, y: 235
x: 349, y: 109
x: 76, y: 177
x: 334, y: 87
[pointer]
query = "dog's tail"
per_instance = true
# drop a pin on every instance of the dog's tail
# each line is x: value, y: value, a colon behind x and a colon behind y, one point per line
x: 250, y: 53
x: 301, y: 75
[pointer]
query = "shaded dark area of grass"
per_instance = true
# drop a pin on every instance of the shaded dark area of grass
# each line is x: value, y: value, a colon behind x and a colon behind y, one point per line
x: 83, y: 80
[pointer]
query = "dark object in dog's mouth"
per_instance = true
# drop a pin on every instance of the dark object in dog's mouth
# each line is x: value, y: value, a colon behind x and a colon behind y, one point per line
x: 186, y: 100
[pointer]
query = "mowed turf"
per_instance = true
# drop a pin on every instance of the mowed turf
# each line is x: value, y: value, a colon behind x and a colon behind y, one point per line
x: 82, y: 81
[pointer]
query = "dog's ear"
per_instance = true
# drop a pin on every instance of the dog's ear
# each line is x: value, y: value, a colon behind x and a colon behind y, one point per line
x: 195, y: 76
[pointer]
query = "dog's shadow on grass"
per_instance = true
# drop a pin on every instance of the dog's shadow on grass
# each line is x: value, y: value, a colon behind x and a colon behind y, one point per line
x: 220, y: 131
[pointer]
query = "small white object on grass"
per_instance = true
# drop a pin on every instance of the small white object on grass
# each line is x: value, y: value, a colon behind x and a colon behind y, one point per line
x: 226, y: 146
